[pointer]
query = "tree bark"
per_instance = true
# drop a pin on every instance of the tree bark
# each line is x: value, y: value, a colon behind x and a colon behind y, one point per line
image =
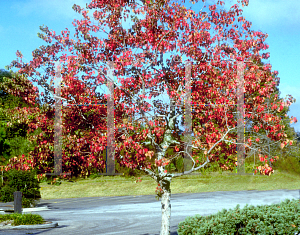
x: 165, y: 212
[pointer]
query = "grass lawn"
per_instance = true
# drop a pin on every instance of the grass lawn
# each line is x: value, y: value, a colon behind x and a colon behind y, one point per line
x: 108, y: 186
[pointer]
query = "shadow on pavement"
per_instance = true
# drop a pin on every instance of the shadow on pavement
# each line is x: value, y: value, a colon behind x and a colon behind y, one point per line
x: 171, y: 233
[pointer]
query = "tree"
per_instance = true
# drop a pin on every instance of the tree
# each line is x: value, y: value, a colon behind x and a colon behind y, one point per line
x: 293, y: 147
x: 274, y: 148
x: 265, y: 144
x: 14, y: 140
x: 40, y: 123
x: 261, y: 140
x: 4, y: 152
x: 161, y: 132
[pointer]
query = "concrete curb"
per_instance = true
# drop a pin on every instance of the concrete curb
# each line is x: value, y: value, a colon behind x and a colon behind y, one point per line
x: 25, y: 210
x: 49, y: 224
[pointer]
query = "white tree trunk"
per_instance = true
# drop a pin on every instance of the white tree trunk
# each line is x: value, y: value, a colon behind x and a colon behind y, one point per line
x: 165, y: 213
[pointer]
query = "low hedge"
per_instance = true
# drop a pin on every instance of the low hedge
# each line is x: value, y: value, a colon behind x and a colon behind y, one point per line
x: 22, y: 219
x: 283, y: 218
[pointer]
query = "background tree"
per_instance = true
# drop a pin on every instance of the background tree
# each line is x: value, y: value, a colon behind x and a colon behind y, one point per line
x: 4, y: 146
x: 252, y: 139
x: 82, y: 123
x: 14, y: 140
x: 266, y: 144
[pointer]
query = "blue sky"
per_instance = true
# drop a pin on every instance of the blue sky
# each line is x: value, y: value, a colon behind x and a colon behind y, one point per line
x: 20, y: 21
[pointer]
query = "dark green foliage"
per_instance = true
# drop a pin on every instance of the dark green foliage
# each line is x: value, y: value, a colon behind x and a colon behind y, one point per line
x: 176, y: 165
x: 53, y: 180
x: 22, y: 219
x: 24, y: 181
x: 13, y: 139
x: 7, y: 194
x: 288, y: 164
x: 128, y: 172
x: 283, y: 218
x: 4, y: 146
x: 289, y: 151
x: 27, y: 219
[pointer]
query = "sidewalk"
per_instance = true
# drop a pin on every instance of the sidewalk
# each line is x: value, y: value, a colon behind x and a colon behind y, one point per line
x: 6, y: 206
x: 9, y: 207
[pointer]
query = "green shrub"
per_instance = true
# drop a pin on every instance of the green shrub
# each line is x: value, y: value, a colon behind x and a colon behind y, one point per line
x: 7, y: 194
x: 55, y: 180
x: 128, y: 172
x: 288, y: 164
x: 283, y: 218
x: 22, y: 219
x: 29, y: 202
x: 179, y: 164
x: 24, y: 181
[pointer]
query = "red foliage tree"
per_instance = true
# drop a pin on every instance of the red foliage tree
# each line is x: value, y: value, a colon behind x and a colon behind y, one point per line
x: 84, y: 128
x: 186, y: 33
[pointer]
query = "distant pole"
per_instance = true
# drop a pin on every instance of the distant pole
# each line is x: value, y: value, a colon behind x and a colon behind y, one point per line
x: 110, y: 147
x: 187, y: 161
x: 18, y: 202
x: 110, y: 153
x: 241, y: 116
x: 58, y: 125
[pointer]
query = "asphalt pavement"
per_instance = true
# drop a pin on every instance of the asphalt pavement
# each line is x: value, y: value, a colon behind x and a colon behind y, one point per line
x: 140, y: 215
